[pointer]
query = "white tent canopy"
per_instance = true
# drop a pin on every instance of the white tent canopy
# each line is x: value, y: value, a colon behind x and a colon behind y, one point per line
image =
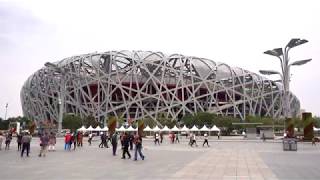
x: 194, y: 128
x: 105, y: 128
x: 175, y: 128
x: 90, y: 128
x: 316, y: 129
x: 204, y: 128
x: 156, y: 128
x: 98, y: 128
x: 147, y: 128
x: 165, y: 128
x: 82, y: 129
x: 130, y: 128
x: 215, y: 128
x: 121, y: 129
x: 185, y: 128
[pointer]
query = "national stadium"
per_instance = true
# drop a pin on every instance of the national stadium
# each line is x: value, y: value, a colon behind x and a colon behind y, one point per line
x: 143, y: 84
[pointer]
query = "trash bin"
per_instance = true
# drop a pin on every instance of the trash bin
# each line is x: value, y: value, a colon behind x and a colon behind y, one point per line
x: 290, y: 144
x: 293, y: 145
x: 286, y: 145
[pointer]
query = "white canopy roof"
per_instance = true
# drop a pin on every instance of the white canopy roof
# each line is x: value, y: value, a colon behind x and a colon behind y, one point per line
x: 215, y: 128
x: 175, y: 128
x: 165, y: 128
x: 316, y: 129
x: 130, y: 128
x: 98, y: 128
x: 156, y: 128
x: 194, y: 128
x: 82, y: 129
x: 90, y: 128
x: 185, y: 128
x: 121, y: 129
x: 147, y: 128
x: 204, y: 128
x: 105, y: 128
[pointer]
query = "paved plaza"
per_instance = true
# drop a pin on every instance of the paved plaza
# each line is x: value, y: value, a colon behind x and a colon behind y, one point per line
x: 224, y: 159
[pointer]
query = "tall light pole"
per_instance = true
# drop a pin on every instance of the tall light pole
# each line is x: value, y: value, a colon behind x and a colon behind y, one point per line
x: 61, y: 94
x: 283, y: 55
x: 5, y: 115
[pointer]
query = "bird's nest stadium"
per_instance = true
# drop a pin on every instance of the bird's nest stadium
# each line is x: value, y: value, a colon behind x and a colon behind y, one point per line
x: 141, y: 84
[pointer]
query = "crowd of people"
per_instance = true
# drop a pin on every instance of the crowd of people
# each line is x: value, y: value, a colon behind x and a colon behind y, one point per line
x: 72, y: 140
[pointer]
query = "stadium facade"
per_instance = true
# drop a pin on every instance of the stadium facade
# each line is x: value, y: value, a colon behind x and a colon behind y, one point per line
x: 140, y: 84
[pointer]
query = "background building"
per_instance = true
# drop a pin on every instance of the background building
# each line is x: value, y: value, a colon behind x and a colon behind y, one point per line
x: 139, y: 84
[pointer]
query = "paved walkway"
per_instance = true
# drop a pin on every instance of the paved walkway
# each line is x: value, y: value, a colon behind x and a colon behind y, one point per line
x: 228, y: 164
x: 222, y: 160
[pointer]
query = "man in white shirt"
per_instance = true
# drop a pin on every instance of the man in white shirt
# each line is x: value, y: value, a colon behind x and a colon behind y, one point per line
x: 205, y: 140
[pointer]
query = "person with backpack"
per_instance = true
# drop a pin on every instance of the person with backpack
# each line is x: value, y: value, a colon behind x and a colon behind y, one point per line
x: 138, y: 147
x: 125, y: 146
x: 44, y: 141
x: 26, y: 139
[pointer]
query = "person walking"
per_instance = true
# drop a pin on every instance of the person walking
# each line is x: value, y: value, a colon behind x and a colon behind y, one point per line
x: 194, y: 140
x: 131, y: 138
x: 263, y: 137
x: 156, y: 139
x: 125, y: 146
x: 161, y: 137
x: 102, y: 140
x: 190, y: 139
x: 2, y: 138
x: 8, y: 141
x: 25, y: 140
x: 44, y: 141
x: 74, y: 140
x: 67, y: 140
x: 114, y: 143
x: 80, y: 139
x: 19, y: 137
x: 138, y: 147
x: 205, y: 140
x: 90, y: 138
x: 52, y: 142
x: 177, y: 138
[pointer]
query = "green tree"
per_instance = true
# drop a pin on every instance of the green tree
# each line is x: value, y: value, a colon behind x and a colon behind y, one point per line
x: 4, y: 125
x: 316, y: 121
x: 72, y: 122
x: 90, y: 121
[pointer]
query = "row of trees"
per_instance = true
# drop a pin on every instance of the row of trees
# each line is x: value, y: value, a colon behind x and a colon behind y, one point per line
x: 203, y: 118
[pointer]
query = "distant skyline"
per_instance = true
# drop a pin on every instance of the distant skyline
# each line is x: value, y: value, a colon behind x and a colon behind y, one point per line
x: 234, y: 32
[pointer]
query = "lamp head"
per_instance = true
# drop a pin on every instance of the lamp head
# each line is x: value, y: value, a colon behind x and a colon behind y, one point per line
x: 296, y: 42
x: 275, y: 52
x: 301, y: 62
x: 268, y: 72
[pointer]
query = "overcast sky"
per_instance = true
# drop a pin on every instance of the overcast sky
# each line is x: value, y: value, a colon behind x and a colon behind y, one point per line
x: 236, y: 32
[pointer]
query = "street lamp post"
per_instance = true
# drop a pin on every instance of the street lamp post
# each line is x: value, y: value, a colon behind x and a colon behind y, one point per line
x: 5, y: 116
x: 283, y: 55
x: 61, y: 94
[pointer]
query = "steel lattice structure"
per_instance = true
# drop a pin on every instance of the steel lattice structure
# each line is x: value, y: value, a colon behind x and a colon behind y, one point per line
x: 139, y: 84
